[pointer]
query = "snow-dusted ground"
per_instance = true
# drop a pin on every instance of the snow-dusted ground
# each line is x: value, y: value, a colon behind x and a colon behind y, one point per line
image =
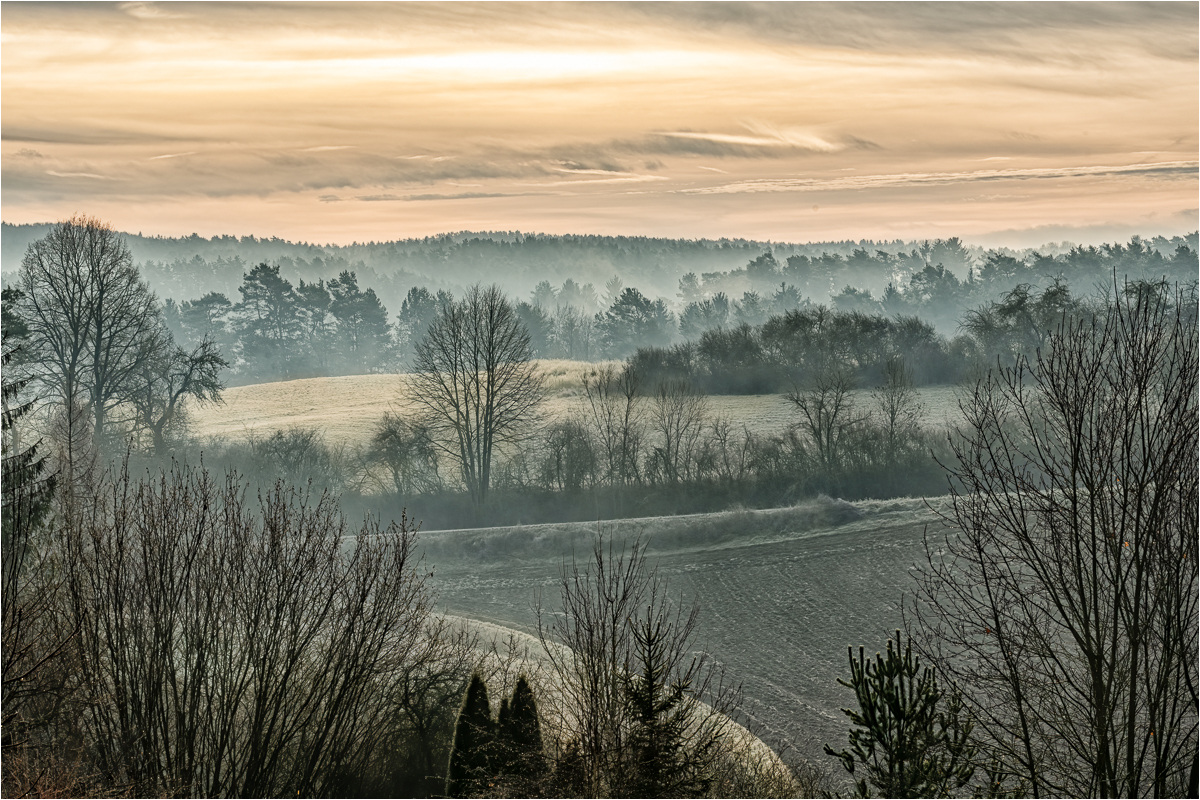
x: 782, y: 592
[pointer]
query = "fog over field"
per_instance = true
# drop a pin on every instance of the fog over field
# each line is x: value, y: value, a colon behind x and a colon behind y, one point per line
x: 346, y: 409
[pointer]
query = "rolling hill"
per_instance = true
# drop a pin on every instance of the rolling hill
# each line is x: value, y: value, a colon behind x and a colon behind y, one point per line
x: 782, y: 593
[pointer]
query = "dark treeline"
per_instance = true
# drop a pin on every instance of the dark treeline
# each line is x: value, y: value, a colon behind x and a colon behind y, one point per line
x: 736, y: 331
x: 677, y: 270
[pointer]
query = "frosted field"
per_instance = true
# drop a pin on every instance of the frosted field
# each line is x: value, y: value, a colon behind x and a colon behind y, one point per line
x: 782, y: 593
x: 346, y: 408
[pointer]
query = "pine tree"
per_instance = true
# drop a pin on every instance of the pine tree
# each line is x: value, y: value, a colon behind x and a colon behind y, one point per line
x: 570, y: 773
x: 905, y: 744
x: 27, y: 486
x: 469, y: 770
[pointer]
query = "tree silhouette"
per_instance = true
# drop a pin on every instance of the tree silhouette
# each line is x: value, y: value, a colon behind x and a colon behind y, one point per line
x: 470, y: 767
x: 475, y: 384
x: 905, y: 744
x: 1063, y: 600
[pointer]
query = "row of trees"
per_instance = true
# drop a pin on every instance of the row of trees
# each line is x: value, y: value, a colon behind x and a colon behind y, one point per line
x: 939, y: 280
x: 192, y: 266
x: 787, y: 349
x: 634, y: 447
x: 280, y: 331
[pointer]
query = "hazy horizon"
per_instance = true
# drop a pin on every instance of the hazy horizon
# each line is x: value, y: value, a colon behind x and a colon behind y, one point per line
x: 1006, y: 124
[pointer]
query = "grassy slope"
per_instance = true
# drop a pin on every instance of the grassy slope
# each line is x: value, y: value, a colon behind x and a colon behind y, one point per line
x: 782, y: 592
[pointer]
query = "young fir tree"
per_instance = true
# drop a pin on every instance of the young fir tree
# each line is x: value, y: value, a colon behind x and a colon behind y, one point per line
x: 569, y: 778
x: 469, y: 770
x: 906, y: 745
x: 659, y: 765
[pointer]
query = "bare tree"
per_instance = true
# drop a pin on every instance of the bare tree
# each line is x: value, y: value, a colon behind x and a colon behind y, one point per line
x: 168, y: 375
x: 1064, y: 601
x: 728, y: 453
x: 426, y: 695
x: 475, y: 383
x: 225, y: 650
x: 89, y: 314
x: 827, y: 408
x: 568, y: 459
x: 406, y: 455
x: 899, y: 408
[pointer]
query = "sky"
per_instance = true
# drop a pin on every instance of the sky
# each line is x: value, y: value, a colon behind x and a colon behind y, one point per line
x: 1005, y: 124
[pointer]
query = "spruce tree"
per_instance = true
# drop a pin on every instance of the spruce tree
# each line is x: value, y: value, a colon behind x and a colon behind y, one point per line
x: 469, y: 770
x: 521, y: 732
x: 27, y: 482
x: 906, y: 745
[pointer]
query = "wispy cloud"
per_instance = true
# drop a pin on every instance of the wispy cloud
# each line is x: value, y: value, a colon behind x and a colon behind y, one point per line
x: 601, y: 181
x: 323, y: 147
x: 81, y: 133
x: 409, y: 198
x: 173, y: 155
x: 762, y: 134
x: 89, y: 175
x: 1167, y: 169
x: 761, y: 141
x: 150, y: 11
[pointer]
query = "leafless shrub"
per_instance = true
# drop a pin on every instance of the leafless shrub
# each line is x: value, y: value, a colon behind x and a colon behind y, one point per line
x: 618, y: 630
x: 426, y: 694
x: 568, y: 459
x: 401, y: 459
x: 677, y: 416
x: 616, y: 416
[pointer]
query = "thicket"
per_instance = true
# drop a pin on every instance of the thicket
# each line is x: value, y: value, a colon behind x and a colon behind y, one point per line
x: 198, y: 643
x: 1062, y: 599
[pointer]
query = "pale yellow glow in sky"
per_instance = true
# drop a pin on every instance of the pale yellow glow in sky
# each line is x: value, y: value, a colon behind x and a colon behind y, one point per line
x: 1002, y: 123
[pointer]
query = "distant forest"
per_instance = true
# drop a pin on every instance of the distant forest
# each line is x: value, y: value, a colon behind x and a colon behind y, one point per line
x: 728, y: 315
